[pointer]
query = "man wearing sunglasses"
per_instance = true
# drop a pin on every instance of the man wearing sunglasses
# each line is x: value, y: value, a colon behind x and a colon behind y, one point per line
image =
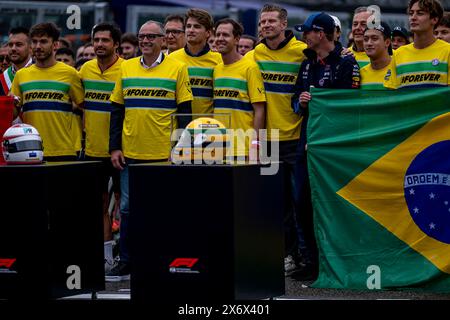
x: 149, y: 89
x: 174, y: 27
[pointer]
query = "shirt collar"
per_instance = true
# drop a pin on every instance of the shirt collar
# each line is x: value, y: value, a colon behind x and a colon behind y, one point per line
x: 156, y: 63
x: 205, y: 50
x: 14, y: 69
x: 288, y: 36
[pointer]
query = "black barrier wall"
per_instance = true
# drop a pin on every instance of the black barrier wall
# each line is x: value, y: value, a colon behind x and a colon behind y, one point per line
x: 205, y: 233
x: 51, y: 230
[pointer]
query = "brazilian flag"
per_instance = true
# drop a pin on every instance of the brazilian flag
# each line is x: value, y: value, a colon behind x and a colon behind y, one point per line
x: 379, y: 167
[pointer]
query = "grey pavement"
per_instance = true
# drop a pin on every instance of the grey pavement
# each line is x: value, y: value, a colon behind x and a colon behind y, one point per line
x: 301, y: 290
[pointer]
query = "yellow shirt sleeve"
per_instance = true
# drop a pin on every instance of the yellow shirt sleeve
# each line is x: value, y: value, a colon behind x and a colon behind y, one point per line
x: 255, y: 84
x: 448, y: 70
x: 117, y: 94
x: 76, y: 91
x: 390, y: 81
x: 184, y: 91
x: 15, y: 87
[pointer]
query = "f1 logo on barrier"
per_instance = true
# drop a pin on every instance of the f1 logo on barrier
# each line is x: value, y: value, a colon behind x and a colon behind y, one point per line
x: 7, y: 263
x: 183, y: 262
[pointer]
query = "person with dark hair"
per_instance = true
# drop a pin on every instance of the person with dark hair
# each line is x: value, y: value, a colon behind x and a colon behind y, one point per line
x: 64, y: 43
x: 45, y: 92
x: 174, y: 27
x: 19, y: 54
x: 88, y: 51
x: 4, y: 59
x: 442, y: 29
x: 149, y: 90
x: 324, y: 67
x: 241, y: 79
x: 199, y: 58
x: 80, y: 62
x: 425, y: 62
x: 359, y: 25
x: 246, y: 43
x: 129, y: 46
x: 66, y: 56
x: 99, y: 77
x: 399, y: 37
x: 377, y: 45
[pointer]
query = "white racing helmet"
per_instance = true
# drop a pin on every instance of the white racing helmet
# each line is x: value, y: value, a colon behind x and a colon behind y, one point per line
x: 22, y: 144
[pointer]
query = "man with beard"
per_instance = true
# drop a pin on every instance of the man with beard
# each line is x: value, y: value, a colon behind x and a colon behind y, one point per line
x: 99, y: 77
x: 279, y: 56
x: 45, y: 91
x: 19, y: 53
x: 199, y: 58
x: 174, y: 27
x: 149, y: 89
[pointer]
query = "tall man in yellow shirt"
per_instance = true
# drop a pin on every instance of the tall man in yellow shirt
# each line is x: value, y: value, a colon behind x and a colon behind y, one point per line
x: 148, y: 91
x: 425, y: 62
x: 199, y: 58
x: 279, y: 56
x: 99, y: 77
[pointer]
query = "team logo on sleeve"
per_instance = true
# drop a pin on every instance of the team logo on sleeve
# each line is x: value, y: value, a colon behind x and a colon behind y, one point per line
x: 188, y: 86
x: 388, y: 75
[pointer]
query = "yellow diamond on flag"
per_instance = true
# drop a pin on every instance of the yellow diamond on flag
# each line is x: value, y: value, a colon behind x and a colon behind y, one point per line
x: 407, y: 191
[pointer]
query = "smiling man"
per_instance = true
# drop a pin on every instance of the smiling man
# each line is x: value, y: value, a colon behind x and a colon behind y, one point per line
x: 148, y: 90
x: 174, y: 27
x: 359, y: 25
x: 426, y: 61
x: 279, y: 56
x: 240, y: 79
x: 199, y: 58
x: 377, y: 45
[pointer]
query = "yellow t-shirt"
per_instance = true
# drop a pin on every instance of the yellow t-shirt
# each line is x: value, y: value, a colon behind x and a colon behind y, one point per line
x: 98, y: 87
x: 360, y: 57
x: 279, y: 69
x: 420, y: 68
x: 200, y: 70
x: 372, y: 79
x: 150, y: 97
x: 46, y: 95
x: 236, y: 87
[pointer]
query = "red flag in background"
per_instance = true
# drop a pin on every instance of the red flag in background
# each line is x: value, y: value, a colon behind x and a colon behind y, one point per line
x: 6, y: 118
